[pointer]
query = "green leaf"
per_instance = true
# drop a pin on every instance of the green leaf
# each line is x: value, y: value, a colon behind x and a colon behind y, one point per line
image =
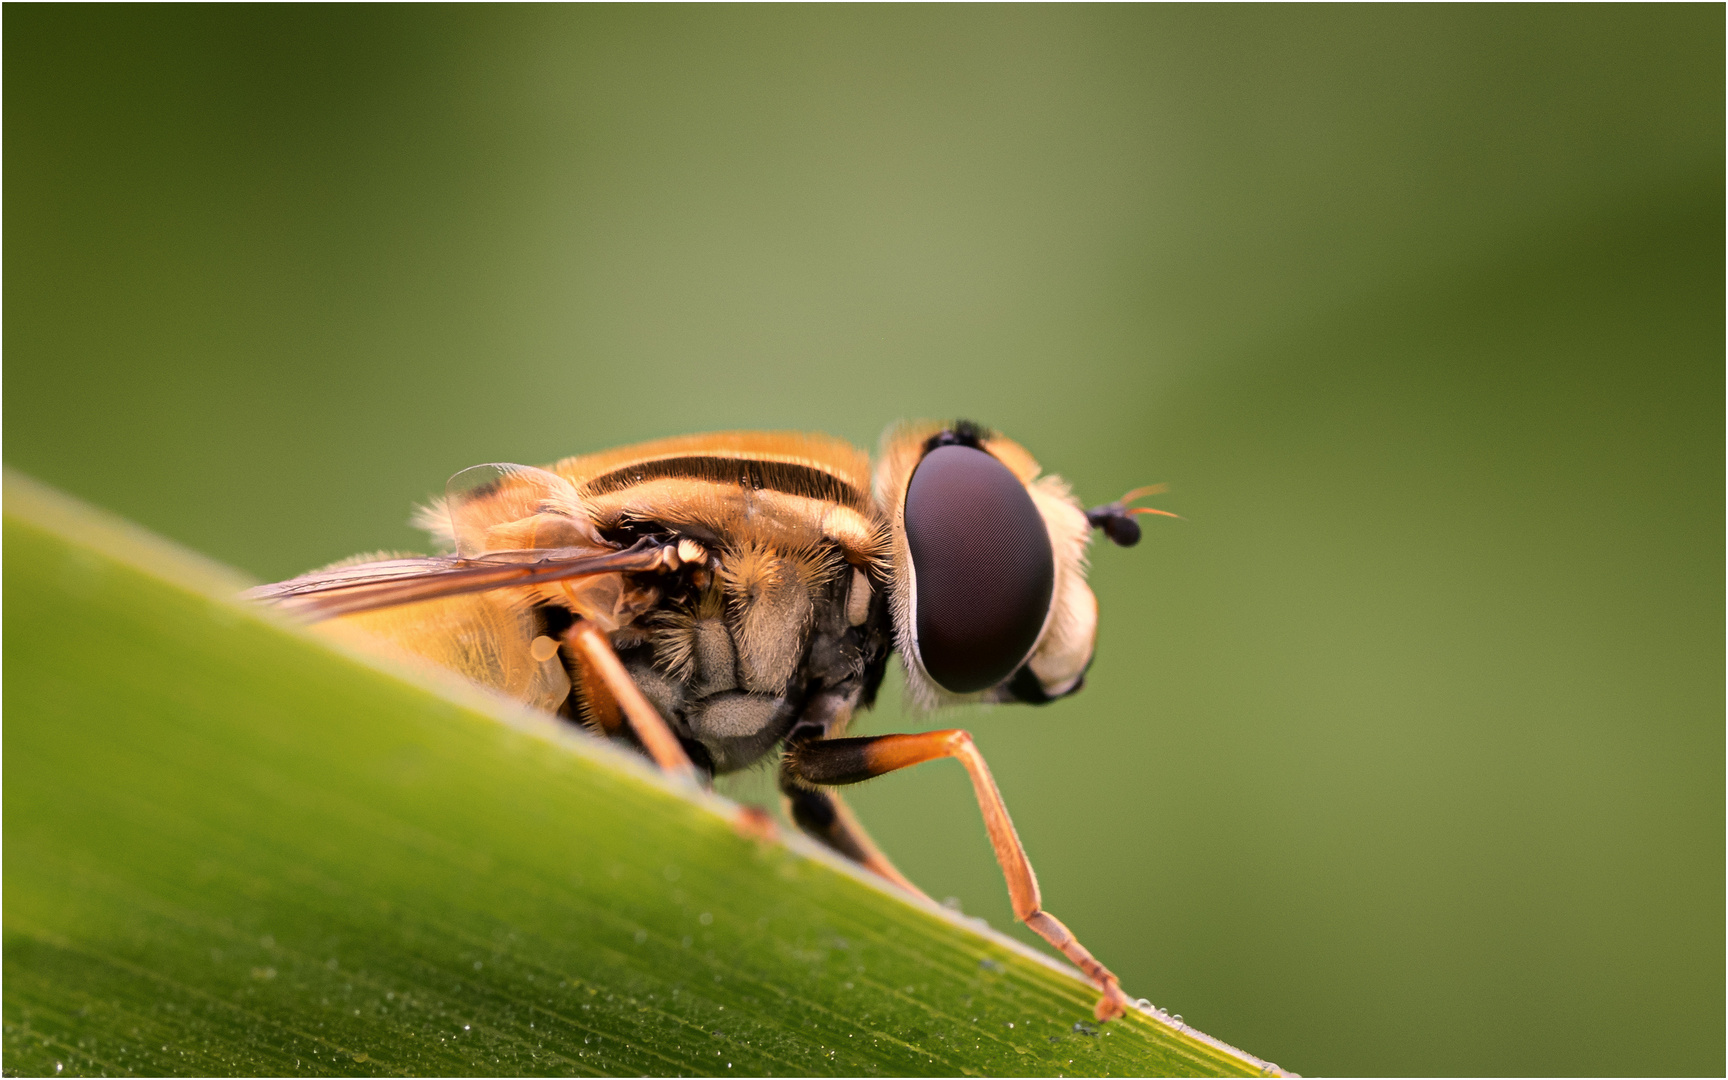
x: 232, y: 848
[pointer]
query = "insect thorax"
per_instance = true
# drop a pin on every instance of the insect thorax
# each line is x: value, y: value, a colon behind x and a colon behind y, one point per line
x: 738, y: 655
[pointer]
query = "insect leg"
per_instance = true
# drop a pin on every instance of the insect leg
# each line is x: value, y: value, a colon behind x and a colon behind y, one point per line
x: 657, y: 738
x: 827, y: 819
x: 848, y: 761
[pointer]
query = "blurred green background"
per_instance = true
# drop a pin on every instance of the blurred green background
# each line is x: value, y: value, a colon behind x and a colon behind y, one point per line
x: 1403, y: 753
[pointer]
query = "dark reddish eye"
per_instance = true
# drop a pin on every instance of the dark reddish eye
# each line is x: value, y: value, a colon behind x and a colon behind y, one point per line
x: 982, y: 567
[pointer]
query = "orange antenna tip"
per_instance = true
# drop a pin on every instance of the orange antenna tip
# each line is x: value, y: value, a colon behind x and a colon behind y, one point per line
x: 1142, y: 492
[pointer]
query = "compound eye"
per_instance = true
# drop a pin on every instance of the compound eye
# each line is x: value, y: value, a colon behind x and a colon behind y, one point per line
x: 983, y: 568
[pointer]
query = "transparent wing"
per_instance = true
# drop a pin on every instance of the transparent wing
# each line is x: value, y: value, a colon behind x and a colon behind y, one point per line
x: 503, y: 507
x: 345, y: 590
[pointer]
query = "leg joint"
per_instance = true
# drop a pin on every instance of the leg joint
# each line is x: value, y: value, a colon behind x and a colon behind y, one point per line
x: 958, y: 740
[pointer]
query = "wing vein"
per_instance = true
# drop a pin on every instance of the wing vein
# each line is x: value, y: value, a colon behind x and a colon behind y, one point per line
x: 349, y: 590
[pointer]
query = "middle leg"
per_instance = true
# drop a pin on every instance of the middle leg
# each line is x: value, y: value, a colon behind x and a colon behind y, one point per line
x: 593, y: 650
x: 827, y: 819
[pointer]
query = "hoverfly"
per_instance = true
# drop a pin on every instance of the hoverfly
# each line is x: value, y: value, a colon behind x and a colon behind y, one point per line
x: 709, y: 598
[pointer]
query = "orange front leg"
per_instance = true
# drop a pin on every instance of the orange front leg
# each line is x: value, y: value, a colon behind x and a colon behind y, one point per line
x: 848, y: 761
